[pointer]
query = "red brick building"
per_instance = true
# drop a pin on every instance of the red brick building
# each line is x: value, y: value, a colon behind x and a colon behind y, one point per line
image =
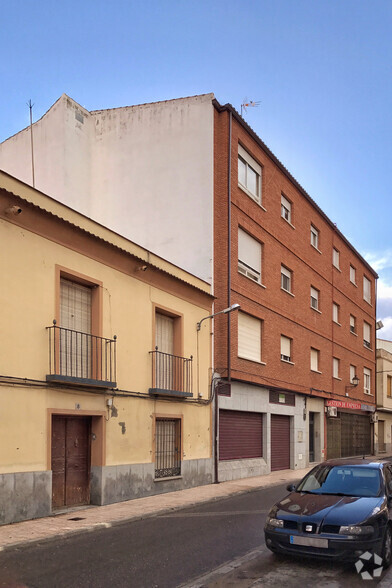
x: 306, y: 326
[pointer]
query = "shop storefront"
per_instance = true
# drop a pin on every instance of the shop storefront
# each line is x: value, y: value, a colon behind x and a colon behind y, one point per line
x: 349, y: 429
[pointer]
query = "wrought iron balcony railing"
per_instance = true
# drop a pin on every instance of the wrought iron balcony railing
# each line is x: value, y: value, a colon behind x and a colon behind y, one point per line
x: 171, y: 375
x: 80, y: 358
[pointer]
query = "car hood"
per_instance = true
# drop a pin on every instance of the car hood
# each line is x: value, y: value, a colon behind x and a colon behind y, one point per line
x: 327, y: 508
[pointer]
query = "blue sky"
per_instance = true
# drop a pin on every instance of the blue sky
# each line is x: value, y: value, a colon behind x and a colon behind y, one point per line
x: 321, y: 70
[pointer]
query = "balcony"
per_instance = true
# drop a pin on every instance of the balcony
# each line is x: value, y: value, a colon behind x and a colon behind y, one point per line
x: 80, y: 358
x: 171, y: 375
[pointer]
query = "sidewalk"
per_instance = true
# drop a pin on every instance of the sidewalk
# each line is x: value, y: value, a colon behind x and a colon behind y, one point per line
x: 94, y: 517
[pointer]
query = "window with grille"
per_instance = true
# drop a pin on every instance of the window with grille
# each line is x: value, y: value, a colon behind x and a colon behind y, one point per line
x: 314, y: 359
x: 367, y: 290
x: 249, y: 256
x: 285, y: 279
x: 249, y: 174
x: 314, y: 298
x: 314, y: 236
x: 285, y: 208
x: 285, y: 348
x: 366, y: 380
x: 353, y: 328
x: 366, y: 335
x: 167, y: 448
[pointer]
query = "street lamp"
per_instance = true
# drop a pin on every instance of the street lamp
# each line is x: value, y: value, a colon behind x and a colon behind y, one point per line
x: 235, y: 306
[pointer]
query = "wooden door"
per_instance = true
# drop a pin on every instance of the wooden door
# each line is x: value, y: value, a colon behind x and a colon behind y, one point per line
x: 70, y: 461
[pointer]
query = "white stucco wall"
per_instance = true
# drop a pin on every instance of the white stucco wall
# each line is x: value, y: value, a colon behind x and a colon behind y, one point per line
x: 144, y: 171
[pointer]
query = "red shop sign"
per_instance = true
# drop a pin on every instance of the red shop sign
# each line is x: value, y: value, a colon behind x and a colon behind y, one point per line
x: 344, y: 404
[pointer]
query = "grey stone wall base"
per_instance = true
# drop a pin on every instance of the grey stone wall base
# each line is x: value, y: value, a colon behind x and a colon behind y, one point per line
x: 25, y: 495
x: 110, y: 484
x: 242, y: 468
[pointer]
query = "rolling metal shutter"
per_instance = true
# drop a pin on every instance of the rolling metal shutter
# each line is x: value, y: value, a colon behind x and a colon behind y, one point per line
x: 348, y: 435
x: 240, y: 434
x: 280, y: 442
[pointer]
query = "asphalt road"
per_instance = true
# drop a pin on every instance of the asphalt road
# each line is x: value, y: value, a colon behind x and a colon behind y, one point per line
x: 216, y: 544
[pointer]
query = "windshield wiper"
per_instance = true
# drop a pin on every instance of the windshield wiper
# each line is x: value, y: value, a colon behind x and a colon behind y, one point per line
x: 335, y: 494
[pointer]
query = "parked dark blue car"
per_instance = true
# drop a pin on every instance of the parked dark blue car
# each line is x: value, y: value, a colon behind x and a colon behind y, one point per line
x: 339, y: 510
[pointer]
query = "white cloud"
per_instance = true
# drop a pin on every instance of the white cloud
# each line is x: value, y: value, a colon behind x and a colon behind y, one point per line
x: 386, y: 332
x: 379, y: 261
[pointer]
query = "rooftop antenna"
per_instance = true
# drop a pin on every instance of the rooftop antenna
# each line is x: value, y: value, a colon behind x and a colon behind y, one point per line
x: 30, y: 105
x: 247, y: 103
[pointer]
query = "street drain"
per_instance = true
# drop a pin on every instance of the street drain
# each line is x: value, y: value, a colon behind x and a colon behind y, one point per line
x: 77, y: 519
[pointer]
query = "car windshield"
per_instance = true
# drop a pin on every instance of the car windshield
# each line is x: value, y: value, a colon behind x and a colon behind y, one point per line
x: 342, y: 480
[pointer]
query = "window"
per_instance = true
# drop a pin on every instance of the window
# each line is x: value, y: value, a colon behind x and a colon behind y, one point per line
x: 389, y: 386
x: 335, y: 312
x: 249, y: 174
x: 335, y: 366
x: 336, y: 258
x: 249, y: 256
x: 366, y: 335
x: 285, y: 208
x: 314, y: 359
x: 167, y: 447
x: 353, y: 275
x: 249, y: 337
x: 170, y: 369
x: 353, y: 373
x: 367, y: 290
x: 314, y: 298
x: 353, y: 327
x: 285, y: 348
x: 366, y: 380
x: 75, y: 332
x: 285, y: 278
x: 314, y: 236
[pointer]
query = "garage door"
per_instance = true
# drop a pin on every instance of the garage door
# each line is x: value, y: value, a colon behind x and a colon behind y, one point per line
x: 240, y: 434
x: 280, y: 442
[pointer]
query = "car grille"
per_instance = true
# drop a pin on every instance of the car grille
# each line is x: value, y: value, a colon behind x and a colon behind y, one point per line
x: 330, y: 529
x: 290, y: 525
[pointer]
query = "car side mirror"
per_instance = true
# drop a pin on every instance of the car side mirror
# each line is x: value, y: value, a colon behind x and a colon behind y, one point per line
x: 291, y: 488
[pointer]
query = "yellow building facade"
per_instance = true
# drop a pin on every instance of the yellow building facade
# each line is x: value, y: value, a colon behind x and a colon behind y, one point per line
x: 105, y: 380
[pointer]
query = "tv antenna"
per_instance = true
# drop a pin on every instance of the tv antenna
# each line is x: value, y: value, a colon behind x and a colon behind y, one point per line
x: 30, y: 105
x: 248, y: 103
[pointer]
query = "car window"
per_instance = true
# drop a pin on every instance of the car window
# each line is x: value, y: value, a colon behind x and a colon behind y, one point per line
x: 346, y: 480
x: 388, y: 480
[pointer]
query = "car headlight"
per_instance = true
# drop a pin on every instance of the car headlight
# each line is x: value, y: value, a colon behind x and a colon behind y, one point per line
x: 356, y: 530
x: 272, y: 522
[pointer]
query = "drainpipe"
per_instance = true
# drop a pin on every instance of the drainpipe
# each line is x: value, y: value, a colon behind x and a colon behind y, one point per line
x: 228, y: 301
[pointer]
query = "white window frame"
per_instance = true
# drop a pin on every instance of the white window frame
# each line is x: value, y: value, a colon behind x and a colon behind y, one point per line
x: 249, y: 337
x: 336, y: 258
x: 353, y: 275
x: 249, y: 162
x: 367, y: 335
x: 314, y: 360
x: 314, y: 237
x: 367, y: 290
x: 285, y: 348
x: 285, y: 208
x: 249, y: 256
x: 336, y: 367
x: 314, y: 298
x: 335, y: 313
x: 288, y: 274
x: 353, y: 324
x: 367, y: 381
x: 353, y: 373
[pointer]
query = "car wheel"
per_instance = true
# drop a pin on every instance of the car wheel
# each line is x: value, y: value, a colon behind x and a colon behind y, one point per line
x: 387, y: 548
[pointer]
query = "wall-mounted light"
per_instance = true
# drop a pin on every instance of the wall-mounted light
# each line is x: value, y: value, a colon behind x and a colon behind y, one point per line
x: 235, y: 306
x: 379, y: 325
x: 354, y: 384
